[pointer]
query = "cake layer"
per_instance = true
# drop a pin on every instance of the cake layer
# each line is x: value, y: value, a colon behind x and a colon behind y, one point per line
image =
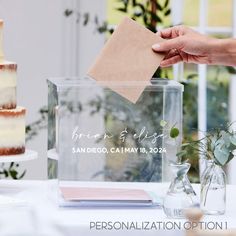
x: 8, y: 74
x: 12, y: 131
x: 18, y: 111
x: 11, y: 151
x: 8, y: 65
x: 7, y: 85
x: 8, y: 98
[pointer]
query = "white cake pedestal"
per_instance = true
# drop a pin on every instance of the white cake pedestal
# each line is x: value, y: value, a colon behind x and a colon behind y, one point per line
x: 29, y: 155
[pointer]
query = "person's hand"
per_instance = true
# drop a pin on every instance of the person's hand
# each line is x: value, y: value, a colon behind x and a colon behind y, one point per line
x: 185, y: 44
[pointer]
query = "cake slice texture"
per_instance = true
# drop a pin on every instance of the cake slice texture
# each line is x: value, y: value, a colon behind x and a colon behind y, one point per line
x: 12, y: 131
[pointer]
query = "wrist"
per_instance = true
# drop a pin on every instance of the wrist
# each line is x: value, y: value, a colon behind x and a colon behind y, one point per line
x: 223, y: 52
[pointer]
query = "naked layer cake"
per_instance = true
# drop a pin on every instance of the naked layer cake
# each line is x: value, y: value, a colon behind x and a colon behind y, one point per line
x: 12, y: 117
x: 12, y: 131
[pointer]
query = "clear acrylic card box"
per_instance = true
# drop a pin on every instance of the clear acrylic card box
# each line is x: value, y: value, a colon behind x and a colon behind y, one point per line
x: 94, y: 134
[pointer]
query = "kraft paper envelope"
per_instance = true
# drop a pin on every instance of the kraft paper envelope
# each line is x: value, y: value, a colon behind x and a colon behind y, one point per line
x: 128, y: 57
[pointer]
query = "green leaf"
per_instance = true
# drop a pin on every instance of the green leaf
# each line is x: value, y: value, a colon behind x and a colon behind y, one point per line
x: 122, y: 9
x: 11, y: 165
x: 86, y: 19
x: 166, y: 3
x: 68, y: 12
x: 226, y: 138
x: 159, y: 7
x: 43, y: 110
x: 221, y: 155
x: 174, y: 132
x: 13, y: 174
x: 231, y: 69
x: 103, y: 28
x: 27, y: 129
x: 5, y: 173
x: 167, y: 12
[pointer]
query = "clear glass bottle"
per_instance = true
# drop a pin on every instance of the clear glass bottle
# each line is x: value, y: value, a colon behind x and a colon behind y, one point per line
x: 180, y: 195
x: 213, y: 189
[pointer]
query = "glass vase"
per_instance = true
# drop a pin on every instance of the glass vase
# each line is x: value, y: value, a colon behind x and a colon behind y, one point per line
x: 180, y: 195
x: 213, y: 189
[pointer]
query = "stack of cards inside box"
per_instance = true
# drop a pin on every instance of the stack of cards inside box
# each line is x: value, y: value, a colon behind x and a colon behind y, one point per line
x: 12, y: 117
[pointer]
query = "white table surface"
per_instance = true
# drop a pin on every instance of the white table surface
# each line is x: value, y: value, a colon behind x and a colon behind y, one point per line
x: 39, y: 214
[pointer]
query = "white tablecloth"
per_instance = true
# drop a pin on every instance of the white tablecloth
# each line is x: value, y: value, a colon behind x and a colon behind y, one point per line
x: 39, y: 214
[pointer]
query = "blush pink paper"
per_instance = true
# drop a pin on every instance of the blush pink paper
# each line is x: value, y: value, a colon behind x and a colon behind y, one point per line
x: 103, y: 194
x: 127, y: 57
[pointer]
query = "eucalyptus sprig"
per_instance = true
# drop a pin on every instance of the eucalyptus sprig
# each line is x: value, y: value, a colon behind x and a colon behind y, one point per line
x: 219, y: 145
x: 11, y: 171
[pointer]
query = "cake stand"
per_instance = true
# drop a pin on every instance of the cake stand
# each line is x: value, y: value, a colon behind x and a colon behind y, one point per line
x: 29, y: 155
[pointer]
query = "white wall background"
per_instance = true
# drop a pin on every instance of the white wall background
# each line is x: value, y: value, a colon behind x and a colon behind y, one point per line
x: 45, y: 44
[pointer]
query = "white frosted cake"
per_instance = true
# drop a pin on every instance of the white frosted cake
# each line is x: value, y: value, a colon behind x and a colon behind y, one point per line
x: 12, y: 131
x: 12, y: 118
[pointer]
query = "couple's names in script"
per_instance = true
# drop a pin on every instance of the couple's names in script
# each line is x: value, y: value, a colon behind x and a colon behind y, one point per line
x: 141, y: 136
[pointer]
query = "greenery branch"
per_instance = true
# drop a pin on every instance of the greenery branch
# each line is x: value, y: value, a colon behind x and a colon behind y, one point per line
x: 218, y: 145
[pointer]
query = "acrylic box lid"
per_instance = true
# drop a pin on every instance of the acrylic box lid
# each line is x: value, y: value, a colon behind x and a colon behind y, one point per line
x: 64, y: 83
